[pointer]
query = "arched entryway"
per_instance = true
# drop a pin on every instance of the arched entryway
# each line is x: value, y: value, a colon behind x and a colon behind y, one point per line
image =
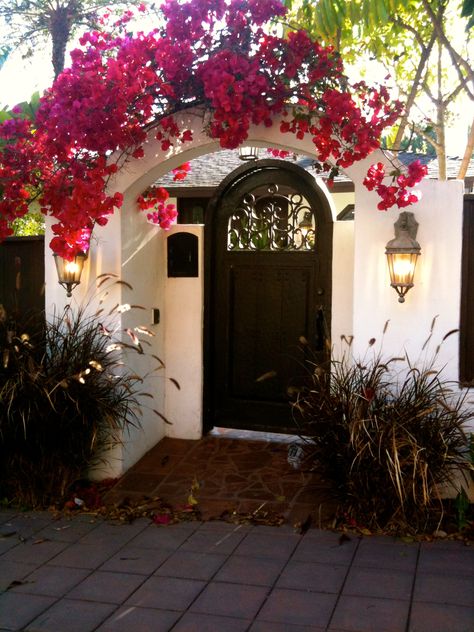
x: 268, y: 285
x: 362, y: 299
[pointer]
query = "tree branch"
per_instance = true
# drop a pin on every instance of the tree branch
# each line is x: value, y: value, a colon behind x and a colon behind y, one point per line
x: 450, y: 97
x: 426, y: 51
x: 412, y: 30
x: 458, y: 61
x: 468, y: 152
x: 419, y: 130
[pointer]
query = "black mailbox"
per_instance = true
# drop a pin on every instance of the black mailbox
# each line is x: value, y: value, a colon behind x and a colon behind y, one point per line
x: 183, y: 255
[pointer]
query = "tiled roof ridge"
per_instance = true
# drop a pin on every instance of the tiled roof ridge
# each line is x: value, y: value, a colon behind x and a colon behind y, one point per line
x: 209, y: 170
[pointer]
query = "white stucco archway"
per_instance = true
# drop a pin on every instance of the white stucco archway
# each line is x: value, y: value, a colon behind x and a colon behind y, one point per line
x: 362, y: 298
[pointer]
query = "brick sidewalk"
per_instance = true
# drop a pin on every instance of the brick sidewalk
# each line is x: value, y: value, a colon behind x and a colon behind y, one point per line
x: 85, y: 575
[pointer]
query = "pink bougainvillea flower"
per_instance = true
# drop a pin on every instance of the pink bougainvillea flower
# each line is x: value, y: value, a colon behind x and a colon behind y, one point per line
x: 210, y: 55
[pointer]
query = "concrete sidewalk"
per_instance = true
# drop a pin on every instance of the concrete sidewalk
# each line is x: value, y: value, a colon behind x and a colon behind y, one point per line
x: 83, y: 574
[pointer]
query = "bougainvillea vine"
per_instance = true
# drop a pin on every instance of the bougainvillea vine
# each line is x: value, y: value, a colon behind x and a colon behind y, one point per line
x: 220, y: 57
x: 397, y: 192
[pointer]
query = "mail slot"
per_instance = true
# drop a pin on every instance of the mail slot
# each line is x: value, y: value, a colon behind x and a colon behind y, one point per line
x: 183, y: 255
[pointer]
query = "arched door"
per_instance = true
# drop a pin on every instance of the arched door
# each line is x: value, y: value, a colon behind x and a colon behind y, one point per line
x: 269, y: 280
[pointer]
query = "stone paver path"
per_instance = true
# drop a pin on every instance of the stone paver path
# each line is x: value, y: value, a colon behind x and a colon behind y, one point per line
x: 85, y: 575
x: 236, y: 471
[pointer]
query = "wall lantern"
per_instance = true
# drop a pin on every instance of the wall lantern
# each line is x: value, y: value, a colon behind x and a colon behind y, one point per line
x: 305, y: 232
x: 306, y: 223
x: 69, y: 272
x: 248, y: 153
x: 402, y: 254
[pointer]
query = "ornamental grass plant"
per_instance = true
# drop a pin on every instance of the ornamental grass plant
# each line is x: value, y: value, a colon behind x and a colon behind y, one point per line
x: 388, y: 435
x: 65, y: 398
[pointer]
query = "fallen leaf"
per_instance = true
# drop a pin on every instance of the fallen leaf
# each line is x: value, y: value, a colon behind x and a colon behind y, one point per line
x: 344, y: 538
x: 365, y: 531
x: 439, y: 533
x: 7, y: 534
x: 192, y: 500
x: 17, y: 582
x: 164, y: 518
x: 266, y: 376
x: 306, y: 524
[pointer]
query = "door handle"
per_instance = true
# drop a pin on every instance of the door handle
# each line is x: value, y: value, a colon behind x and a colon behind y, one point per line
x: 321, y: 332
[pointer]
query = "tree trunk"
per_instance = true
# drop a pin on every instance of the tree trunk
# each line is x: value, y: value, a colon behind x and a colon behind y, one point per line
x: 441, y: 150
x: 467, y: 154
x: 61, y: 19
x: 441, y: 120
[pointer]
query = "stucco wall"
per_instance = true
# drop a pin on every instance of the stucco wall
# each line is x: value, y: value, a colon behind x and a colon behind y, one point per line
x: 437, y: 278
x: 183, y: 345
x: 362, y: 298
x: 341, y: 200
x: 342, y: 284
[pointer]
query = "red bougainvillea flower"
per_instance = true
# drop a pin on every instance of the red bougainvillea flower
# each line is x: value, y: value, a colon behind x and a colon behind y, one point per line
x: 278, y: 153
x: 217, y: 56
x: 397, y: 193
x: 162, y: 214
x: 182, y: 171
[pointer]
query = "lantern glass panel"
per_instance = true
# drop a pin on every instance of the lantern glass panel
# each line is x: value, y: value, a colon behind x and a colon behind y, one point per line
x: 402, y: 268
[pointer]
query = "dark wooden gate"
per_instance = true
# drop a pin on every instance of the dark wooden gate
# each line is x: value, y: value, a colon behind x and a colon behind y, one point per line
x: 22, y: 280
x: 270, y: 279
x: 466, y: 339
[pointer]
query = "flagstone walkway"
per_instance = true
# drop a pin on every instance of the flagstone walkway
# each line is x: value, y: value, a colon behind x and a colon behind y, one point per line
x: 230, y: 472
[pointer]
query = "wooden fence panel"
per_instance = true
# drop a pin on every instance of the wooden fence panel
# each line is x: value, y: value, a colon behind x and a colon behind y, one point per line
x: 22, y: 279
x: 466, y: 349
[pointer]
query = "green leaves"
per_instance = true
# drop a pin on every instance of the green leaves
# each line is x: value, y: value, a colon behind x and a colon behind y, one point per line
x: 405, y: 36
x: 28, y: 23
x: 468, y: 12
x: 30, y: 108
x: 4, y: 52
x: 329, y: 18
x: 31, y: 224
x: 5, y: 114
x: 25, y: 109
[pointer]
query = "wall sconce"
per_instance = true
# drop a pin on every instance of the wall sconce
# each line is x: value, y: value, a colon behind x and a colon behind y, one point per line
x: 69, y: 272
x: 248, y: 153
x: 306, y: 231
x: 402, y: 254
x: 306, y: 223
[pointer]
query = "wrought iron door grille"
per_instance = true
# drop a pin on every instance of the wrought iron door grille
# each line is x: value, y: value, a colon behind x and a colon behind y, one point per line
x: 272, y: 220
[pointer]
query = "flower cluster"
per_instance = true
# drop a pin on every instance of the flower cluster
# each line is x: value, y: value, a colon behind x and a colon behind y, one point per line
x: 21, y: 165
x: 181, y: 171
x: 397, y: 192
x: 278, y: 153
x: 214, y: 55
x: 163, y: 214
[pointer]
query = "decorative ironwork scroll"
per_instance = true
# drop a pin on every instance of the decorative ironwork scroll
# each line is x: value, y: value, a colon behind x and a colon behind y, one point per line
x: 270, y: 220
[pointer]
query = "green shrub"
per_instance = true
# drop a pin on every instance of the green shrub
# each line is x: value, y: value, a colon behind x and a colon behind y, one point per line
x: 32, y: 223
x: 64, y: 399
x: 387, y: 440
